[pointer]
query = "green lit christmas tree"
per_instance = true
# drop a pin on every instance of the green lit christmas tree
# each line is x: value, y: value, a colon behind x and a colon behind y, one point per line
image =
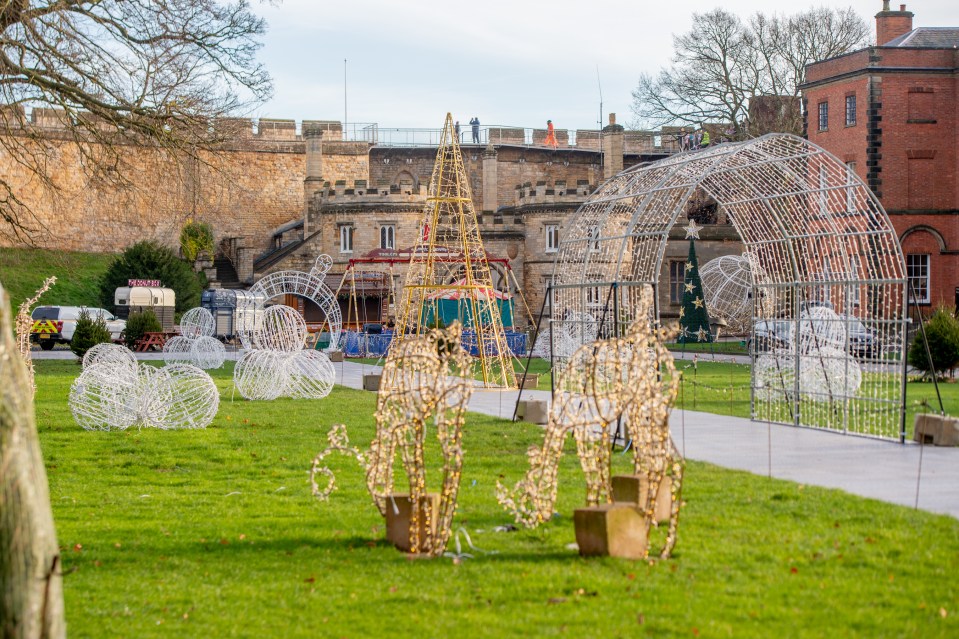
x: 693, y: 318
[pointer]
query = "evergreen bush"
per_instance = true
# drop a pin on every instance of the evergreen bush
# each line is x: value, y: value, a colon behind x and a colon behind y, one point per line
x: 942, y: 331
x: 88, y: 333
x: 150, y: 260
x: 140, y: 323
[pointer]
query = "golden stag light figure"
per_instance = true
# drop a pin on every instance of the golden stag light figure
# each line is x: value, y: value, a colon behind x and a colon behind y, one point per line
x: 631, y: 379
x: 422, y: 378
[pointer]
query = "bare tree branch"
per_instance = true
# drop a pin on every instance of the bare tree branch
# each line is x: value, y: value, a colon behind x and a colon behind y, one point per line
x: 154, y: 73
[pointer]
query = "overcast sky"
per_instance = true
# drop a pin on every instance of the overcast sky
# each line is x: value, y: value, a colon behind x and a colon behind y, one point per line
x: 514, y: 62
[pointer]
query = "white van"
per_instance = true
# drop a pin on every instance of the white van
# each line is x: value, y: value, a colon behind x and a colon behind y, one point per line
x: 54, y: 325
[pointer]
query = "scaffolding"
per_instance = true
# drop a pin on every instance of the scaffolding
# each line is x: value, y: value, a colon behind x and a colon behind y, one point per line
x: 449, y: 253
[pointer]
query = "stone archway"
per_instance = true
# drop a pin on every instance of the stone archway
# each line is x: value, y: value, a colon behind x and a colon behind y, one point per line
x: 832, y: 269
x: 312, y: 286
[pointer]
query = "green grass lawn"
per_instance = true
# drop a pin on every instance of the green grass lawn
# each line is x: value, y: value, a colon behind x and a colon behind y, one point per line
x: 22, y: 272
x: 214, y: 533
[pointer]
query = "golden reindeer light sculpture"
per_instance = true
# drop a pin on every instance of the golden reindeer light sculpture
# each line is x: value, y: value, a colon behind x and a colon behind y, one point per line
x: 423, y: 378
x: 630, y: 378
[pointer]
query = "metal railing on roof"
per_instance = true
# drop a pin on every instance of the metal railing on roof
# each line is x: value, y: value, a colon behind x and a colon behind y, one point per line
x: 373, y: 133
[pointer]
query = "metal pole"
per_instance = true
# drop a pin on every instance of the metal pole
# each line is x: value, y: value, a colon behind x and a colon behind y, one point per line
x: 529, y: 355
x: 345, y: 128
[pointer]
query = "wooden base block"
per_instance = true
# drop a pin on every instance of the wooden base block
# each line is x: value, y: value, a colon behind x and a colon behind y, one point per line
x: 398, y: 518
x: 939, y: 430
x: 532, y: 380
x: 371, y: 382
x: 534, y: 411
x: 634, y: 489
x: 335, y: 356
x: 614, y: 530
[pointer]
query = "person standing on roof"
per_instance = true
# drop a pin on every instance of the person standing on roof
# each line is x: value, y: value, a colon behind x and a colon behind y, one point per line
x: 456, y: 127
x: 550, y: 135
x: 475, y: 124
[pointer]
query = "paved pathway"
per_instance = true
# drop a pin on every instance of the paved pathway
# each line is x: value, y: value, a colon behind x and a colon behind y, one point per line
x: 881, y: 470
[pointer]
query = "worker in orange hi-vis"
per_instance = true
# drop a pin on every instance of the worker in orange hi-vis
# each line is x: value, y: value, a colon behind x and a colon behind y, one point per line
x: 550, y: 135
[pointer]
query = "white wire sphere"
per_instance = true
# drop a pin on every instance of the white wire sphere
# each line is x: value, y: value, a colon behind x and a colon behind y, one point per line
x: 775, y: 376
x: 177, y: 349
x: 112, y: 354
x: 820, y: 327
x: 104, y: 397
x: 207, y: 353
x: 154, y: 396
x: 197, y: 322
x: 282, y: 329
x: 727, y: 284
x: 829, y: 373
x: 311, y: 375
x: 194, y: 397
x: 261, y: 375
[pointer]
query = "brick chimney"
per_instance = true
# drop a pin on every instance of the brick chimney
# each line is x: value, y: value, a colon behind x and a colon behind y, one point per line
x: 892, y: 24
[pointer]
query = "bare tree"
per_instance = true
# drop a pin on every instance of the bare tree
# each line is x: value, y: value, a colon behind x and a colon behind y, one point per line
x: 724, y: 68
x: 154, y: 73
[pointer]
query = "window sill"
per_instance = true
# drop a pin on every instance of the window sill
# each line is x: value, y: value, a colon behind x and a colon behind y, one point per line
x: 849, y: 126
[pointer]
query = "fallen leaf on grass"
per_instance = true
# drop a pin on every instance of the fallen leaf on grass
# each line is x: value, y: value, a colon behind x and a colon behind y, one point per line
x: 556, y: 600
x: 793, y: 570
x: 943, y: 613
x: 311, y: 579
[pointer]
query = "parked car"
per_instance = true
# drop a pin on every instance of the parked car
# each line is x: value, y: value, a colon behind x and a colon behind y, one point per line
x: 54, y: 325
x: 862, y: 342
x: 769, y: 334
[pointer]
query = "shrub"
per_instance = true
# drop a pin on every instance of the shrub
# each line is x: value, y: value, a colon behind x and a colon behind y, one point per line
x: 149, y: 260
x: 942, y: 331
x: 196, y: 238
x: 88, y: 333
x: 140, y: 323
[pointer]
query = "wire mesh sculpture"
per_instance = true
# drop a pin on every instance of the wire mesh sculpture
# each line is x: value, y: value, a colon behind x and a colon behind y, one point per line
x: 449, y: 253
x: 728, y: 286
x: 630, y: 378
x: 282, y: 330
x: 421, y: 380
x: 110, y: 395
x: 207, y: 353
x: 311, y: 286
x: 110, y: 354
x: 197, y: 322
x: 177, y: 349
x: 279, y: 366
x: 311, y: 375
x: 195, y: 343
x: 825, y: 369
x: 811, y: 225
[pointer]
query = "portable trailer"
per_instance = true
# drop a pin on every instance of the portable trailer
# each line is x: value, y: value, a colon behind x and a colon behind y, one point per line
x: 234, y: 311
x: 136, y: 299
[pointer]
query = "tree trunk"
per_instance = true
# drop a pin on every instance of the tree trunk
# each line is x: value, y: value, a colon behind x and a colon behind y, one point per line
x: 31, y: 588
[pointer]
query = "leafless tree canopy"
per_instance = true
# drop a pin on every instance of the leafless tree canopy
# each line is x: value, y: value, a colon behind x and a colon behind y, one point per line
x: 723, y: 63
x: 150, y: 72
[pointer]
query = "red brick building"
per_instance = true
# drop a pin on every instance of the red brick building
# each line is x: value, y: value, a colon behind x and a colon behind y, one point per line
x: 890, y: 112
